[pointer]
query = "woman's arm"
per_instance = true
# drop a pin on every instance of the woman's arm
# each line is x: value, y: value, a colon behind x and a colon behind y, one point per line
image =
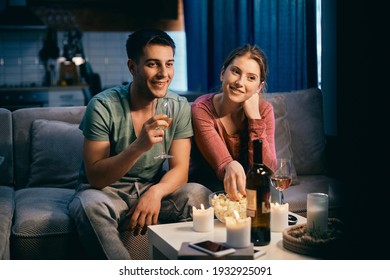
x: 207, y: 139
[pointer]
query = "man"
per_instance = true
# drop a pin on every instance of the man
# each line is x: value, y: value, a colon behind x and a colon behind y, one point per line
x: 122, y: 185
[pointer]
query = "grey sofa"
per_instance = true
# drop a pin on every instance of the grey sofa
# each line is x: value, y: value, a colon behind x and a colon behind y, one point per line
x: 299, y: 133
x: 40, y: 154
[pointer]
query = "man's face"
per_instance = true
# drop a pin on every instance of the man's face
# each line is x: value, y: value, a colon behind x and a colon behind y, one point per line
x: 155, y: 70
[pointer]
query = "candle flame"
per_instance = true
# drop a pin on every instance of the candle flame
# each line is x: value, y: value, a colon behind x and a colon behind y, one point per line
x: 202, y: 206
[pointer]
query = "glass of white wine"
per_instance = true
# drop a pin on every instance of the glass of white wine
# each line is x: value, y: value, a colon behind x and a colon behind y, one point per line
x: 167, y: 110
x: 282, y: 177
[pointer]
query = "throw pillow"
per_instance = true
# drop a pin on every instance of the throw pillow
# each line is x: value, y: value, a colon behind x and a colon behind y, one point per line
x: 56, y: 154
x: 282, y: 131
x: 305, y: 118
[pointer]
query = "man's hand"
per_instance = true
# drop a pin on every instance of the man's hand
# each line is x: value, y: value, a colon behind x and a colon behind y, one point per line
x: 151, y: 133
x: 145, y: 212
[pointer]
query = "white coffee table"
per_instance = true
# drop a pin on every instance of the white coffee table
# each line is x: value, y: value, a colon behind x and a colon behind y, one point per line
x: 165, y: 240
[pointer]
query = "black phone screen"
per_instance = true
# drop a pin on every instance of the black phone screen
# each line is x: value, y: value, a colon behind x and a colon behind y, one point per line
x: 212, y: 246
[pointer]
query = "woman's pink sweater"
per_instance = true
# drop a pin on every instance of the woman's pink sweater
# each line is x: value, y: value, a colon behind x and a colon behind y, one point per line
x: 219, y: 148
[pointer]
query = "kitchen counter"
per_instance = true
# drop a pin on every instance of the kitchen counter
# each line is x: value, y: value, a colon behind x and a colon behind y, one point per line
x: 14, y: 98
x: 40, y: 88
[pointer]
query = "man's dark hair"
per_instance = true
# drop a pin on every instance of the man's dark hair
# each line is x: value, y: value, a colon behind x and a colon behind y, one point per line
x: 139, y: 39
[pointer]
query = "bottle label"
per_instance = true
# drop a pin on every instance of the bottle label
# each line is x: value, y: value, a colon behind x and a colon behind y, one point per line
x: 251, y: 200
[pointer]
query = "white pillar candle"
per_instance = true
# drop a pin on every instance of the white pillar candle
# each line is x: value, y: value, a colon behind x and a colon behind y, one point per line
x: 238, y: 232
x: 279, y: 216
x: 203, y: 219
x: 317, y: 215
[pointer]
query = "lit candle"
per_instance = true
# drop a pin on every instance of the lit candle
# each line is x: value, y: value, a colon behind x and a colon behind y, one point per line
x: 317, y: 214
x: 203, y: 219
x: 279, y: 216
x: 238, y: 231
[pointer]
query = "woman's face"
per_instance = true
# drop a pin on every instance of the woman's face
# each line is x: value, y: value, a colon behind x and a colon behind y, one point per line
x: 241, y: 79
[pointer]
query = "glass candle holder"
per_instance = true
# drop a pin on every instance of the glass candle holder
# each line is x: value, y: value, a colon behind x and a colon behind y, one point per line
x: 317, y: 215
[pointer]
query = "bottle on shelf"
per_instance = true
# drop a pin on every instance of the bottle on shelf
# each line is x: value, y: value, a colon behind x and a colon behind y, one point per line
x: 258, y: 190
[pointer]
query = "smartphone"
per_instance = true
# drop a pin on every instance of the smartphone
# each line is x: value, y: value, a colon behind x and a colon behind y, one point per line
x: 212, y: 248
x: 258, y: 253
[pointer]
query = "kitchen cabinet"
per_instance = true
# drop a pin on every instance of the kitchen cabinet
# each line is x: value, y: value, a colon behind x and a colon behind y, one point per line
x: 109, y: 15
x: 16, y: 98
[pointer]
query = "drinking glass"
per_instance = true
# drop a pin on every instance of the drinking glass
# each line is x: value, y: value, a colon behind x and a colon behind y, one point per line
x: 167, y: 110
x: 282, y: 177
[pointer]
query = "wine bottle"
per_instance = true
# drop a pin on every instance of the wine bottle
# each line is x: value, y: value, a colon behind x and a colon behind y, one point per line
x: 258, y: 190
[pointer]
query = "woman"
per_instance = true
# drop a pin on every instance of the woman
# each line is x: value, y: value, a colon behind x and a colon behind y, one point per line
x: 225, y: 123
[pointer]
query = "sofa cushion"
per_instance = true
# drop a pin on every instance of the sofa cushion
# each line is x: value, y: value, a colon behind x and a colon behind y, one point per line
x: 21, y: 132
x: 56, y: 154
x: 296, y: 196
x: 42, y: 227
x: 6, y: 215
x: 305, y: 119
x: 282, y: 131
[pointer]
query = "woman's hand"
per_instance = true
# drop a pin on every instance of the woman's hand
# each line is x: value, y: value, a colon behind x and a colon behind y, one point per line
x: 234, y: 180
x: 251, y: 107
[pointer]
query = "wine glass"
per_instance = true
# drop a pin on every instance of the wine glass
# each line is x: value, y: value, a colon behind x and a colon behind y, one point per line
x: 282, y: 177
x: 167, y: 110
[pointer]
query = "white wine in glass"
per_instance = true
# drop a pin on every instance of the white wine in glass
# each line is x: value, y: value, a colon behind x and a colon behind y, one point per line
x: 167, y: 110
x: 282, y: 177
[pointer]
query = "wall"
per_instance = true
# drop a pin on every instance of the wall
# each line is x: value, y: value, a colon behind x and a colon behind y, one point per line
x: 104, y: 33
x: 20, y: 65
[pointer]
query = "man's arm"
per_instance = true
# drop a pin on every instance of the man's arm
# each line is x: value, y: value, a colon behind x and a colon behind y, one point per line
x: 103, y: 170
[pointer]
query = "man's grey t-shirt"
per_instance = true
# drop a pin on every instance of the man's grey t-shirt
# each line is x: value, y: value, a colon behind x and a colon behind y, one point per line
x: 108, y: 118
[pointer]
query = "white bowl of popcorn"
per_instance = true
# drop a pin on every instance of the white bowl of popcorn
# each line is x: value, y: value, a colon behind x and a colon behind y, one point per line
x: 224, y: 207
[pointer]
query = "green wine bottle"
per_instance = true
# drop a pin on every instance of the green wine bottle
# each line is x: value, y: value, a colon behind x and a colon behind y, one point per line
x: 258, y: 190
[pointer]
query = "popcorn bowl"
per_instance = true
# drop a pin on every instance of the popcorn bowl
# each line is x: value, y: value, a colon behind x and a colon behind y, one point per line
x: 224, y: 207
